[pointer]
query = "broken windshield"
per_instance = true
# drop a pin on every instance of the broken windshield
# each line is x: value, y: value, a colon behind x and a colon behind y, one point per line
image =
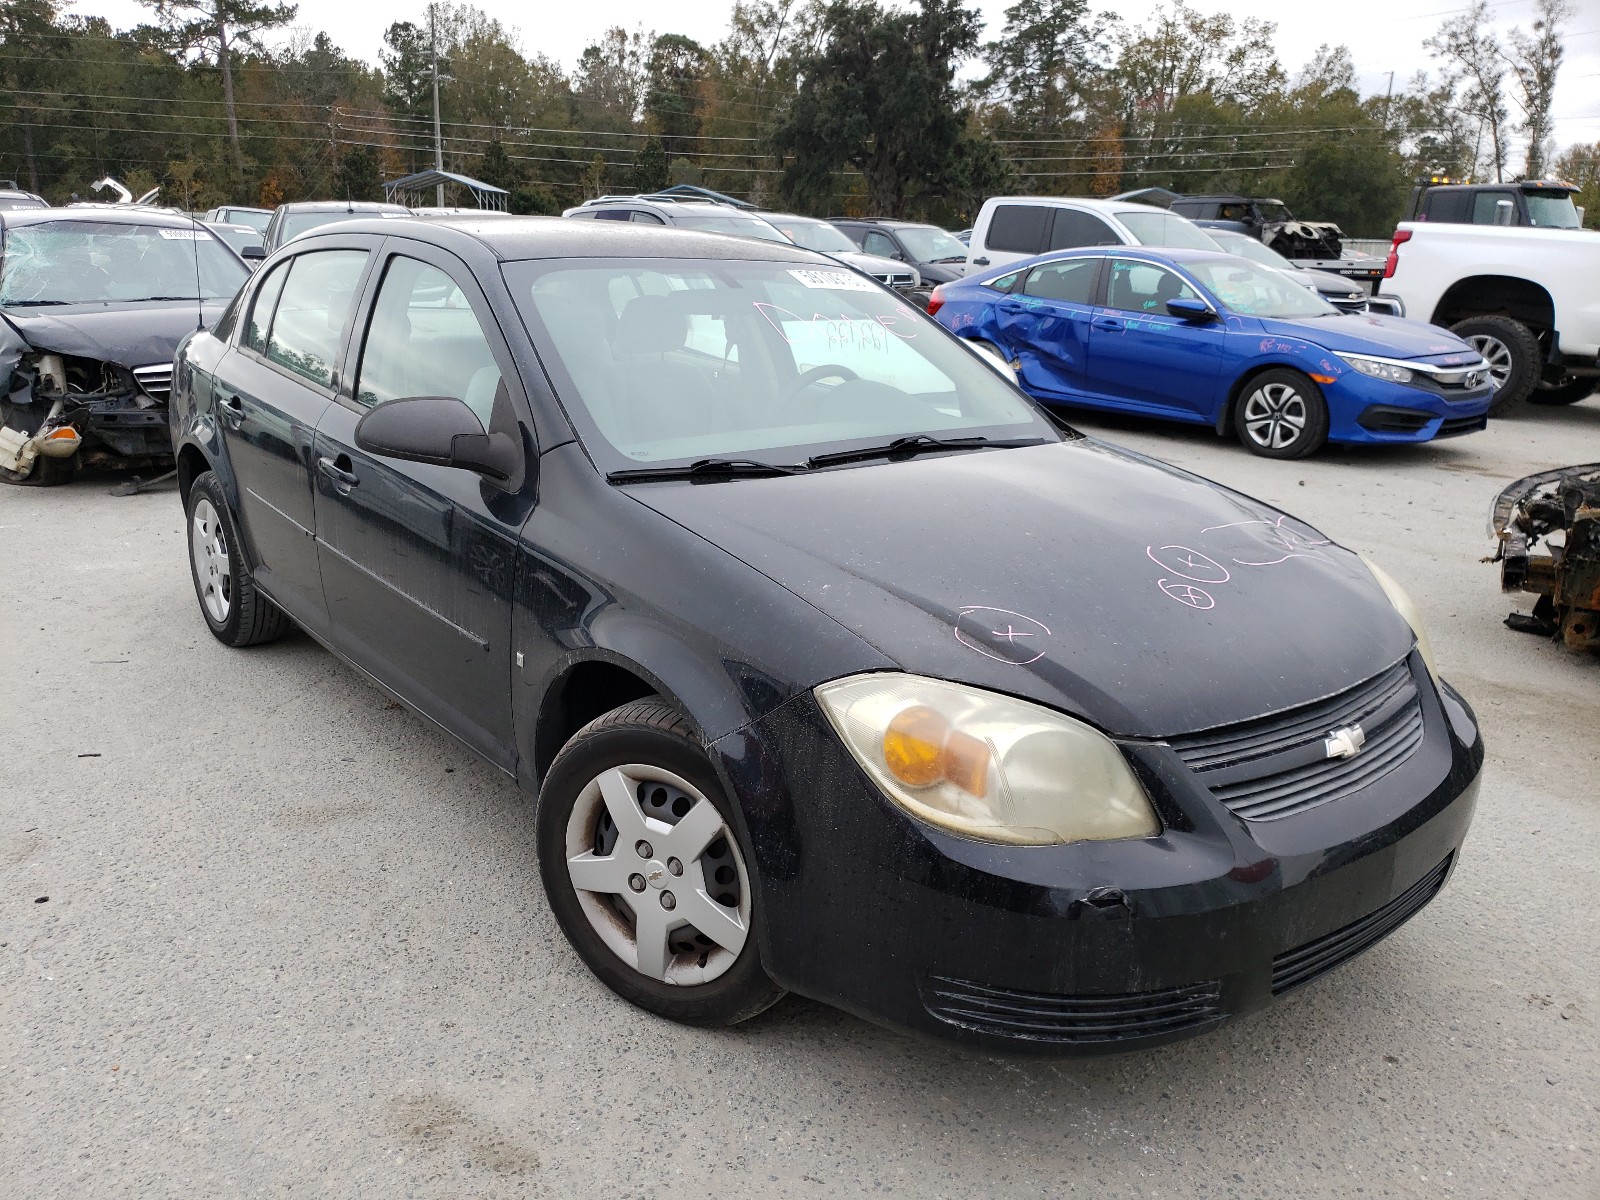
x: 87, y: 262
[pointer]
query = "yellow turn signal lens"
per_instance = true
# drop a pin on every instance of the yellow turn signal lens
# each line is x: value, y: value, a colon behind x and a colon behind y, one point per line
x: 921, y: 749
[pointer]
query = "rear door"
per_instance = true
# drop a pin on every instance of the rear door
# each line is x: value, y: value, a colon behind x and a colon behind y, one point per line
x: 418, y: 560
x: 270, y: 392
x: 1044, y: 324
x: 1145, y: 359
x: 1014, y: 231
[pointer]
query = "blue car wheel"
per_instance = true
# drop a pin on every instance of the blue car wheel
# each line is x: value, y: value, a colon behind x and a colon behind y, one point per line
x: 1281, y: 414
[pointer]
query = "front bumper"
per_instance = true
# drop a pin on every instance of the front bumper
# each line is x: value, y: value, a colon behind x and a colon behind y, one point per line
x: 1090, y: 948
x: 1363, y: 409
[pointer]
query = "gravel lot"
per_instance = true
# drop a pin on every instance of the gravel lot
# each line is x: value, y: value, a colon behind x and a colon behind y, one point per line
x: 295, y: 944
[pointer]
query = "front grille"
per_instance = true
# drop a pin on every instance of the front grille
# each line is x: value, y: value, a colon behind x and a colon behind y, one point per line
x: 1042, y: 1016
x: 156, y: 379
x: 1278, y: 766
x: 1356, y: 305
x: 897, y: 279
x: 1304, y: 963
x: 1380, y: 418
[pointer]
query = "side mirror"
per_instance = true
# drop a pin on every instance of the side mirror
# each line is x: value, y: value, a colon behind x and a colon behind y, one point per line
x: 255, y: 253
x: 1505, y: 212
x: 1191, y: 309
x: 440, y: 430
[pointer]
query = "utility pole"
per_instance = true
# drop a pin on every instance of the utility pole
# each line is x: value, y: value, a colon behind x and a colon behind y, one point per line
x: 438, y: 142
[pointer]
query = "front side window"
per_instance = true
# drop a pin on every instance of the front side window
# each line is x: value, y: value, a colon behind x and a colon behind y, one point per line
x: 815, y: 235
x: 928, y: 244
x: 716, y: 219
x: 1165, y: 229
x: 1018, y: 228
x: 425, y: 340
x: 77, y: 261
x: 879, y: 244
x: 266, y: 299
x: 1486, y: 208
x: 311, y: 313
x: 1064, y: 282
x: 640, y: 217
x: 1141, y: 287
x: 667, y: 362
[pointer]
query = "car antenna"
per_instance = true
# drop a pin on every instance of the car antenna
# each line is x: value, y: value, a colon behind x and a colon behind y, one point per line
x: 199, y: 304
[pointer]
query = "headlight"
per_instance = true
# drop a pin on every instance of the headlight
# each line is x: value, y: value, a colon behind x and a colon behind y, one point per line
x: 986, y: 766
x: 1407, y: 608
x: 1379, y: 368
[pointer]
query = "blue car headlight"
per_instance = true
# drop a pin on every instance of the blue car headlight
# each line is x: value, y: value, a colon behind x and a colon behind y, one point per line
x: 1380, y: 368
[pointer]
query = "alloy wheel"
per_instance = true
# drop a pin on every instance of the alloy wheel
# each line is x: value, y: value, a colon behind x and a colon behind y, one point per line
x: 1496, y: 353
x: 658, y: 874
x: 1275, y: 415
x: 212, y: 567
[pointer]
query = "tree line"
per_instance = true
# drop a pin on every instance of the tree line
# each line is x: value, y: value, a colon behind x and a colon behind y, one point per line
x: 827, y: 107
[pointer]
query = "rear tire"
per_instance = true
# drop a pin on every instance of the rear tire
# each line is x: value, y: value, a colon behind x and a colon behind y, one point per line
x: 633, y: 811
x: 1568, y: 392
x: 1281, y: 414
x: 234, y: 610
x: 1512, y: 353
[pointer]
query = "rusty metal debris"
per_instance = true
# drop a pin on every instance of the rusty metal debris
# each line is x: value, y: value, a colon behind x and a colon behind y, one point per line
x: 1561, y: 510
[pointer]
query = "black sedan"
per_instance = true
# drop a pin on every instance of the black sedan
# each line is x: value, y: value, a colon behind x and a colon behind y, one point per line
x: 836, y: 667
x: 93, y: 303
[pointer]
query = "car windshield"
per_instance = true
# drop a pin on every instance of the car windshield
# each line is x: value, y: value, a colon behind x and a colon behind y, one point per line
x: 1247, y: 247
x: 1165, y: 229
x: 928, y: 244
x: 1245, y: 288
x: 815, y: 235
x: 727, y: 220
x: 665, y: 361
x: 85, y: 261
x: 256, y: 220
x: 294, y: 224
x: 1552, y: 211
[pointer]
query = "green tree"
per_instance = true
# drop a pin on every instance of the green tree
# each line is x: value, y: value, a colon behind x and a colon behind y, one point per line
x: 358, y: 177
x: 1047, y: 55
x: 650, y: 167
x: 1535, y: 60
x: 611, y: 80
x: 675, y: 76
x: 215, y: 29
x: 1475, y: 63
x: 880, y: 96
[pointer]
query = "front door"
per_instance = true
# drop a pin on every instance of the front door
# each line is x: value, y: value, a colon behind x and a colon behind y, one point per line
x: 270, y: 393
x: 418, y: 560
x: 1044, y: 325
x: 1143, y: 357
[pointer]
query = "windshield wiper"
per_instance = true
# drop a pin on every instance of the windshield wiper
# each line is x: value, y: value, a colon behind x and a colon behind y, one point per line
x: 34, y: 303
x: 950, y: 258
x: 143, y: 299
x: 706, y: 469
x: 917, y: 443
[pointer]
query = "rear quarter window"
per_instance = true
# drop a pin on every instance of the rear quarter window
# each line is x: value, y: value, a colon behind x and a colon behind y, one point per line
x: 1019, y: 228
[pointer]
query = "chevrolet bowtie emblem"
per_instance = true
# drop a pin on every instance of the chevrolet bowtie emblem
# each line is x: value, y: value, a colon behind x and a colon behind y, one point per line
x: 1346, y: 742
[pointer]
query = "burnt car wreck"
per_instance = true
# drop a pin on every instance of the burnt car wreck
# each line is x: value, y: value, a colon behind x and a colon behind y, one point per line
x: 1559, y: 509
x: 93, y: 305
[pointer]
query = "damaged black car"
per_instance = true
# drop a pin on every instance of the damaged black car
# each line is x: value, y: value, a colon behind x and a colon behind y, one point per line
x: 92, y: 306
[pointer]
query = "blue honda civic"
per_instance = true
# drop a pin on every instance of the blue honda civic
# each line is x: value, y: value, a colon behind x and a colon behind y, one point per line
x: 1213, y: 339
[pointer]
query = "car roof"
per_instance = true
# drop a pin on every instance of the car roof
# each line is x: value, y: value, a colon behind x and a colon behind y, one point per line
x: 115, y: 214
x: 340, y: 206
x: 1089, y: 202
x: 518, y: 238
x: 885, y: 222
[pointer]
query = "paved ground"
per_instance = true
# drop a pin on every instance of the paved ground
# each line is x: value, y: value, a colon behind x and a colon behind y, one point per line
x: 294, y: 942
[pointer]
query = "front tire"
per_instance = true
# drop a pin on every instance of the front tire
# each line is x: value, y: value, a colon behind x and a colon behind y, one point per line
x: 1512, y: 353
x: 644, y: 870
x: 1281, y: 414
x: 1569, y: 391
x: 234, y: 610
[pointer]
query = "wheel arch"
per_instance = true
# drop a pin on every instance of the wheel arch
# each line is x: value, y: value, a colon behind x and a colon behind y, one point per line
x: 1246, y: 377
x: 585, y: 687
x: 1496, y: 295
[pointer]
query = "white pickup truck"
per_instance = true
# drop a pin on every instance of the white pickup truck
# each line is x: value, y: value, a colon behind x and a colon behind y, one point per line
x: 1525, y: 298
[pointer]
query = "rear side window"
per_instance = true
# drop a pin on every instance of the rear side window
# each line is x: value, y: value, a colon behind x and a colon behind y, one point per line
x: 255, y: 334
x: 1449, y: 207
x: 1019, y: 228
x: 312, y: 309
x: 1065, y: 282
x: 1073, y: 228
x: 425, y: 340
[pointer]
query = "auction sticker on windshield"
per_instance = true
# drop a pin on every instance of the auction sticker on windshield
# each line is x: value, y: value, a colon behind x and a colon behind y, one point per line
x: 834, y: 281
x: 178, y: 235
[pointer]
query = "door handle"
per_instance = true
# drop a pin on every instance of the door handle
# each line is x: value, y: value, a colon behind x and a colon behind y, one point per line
x: 1108, y: 323
x: 981, y: 262
x: 232, y: 410
x: 341, y: 476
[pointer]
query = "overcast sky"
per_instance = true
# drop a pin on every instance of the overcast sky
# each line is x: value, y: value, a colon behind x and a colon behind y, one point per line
x: 1383, y: 35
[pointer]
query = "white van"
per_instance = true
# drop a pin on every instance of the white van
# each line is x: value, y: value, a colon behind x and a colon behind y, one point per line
x: 1014, y: 227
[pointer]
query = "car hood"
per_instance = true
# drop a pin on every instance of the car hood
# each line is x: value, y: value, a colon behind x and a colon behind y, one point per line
x: 1371, y: 333
x: 872, y: 264
x: 129, y: 335
x: 1329, y: 284
x: 1146, y: 600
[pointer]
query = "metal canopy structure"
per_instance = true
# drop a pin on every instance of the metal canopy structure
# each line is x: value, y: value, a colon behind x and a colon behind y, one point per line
x: 412, y: 190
